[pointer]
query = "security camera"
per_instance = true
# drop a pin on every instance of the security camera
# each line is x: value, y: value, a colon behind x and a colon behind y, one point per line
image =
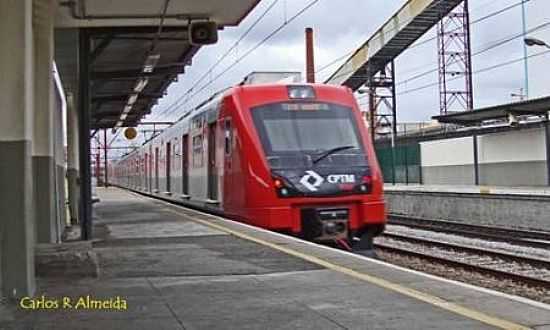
x: 513, y: 120
x: 203, y: 33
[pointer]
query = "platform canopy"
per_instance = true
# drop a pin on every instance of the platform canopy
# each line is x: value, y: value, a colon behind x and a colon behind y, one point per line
x: 130, y: 60
x: 535, y: 107
x: 406, y: 26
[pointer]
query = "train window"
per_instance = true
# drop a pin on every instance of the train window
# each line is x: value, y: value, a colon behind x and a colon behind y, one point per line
x: 228, y: 137
x: 197, y: 123
x: 290, y: 136
x: 157, y: 168
x: 175, y: 154
x: 197, y: 151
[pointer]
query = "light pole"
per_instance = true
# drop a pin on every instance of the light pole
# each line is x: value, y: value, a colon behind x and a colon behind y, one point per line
x: 525, y: 53
x: 530, y: 41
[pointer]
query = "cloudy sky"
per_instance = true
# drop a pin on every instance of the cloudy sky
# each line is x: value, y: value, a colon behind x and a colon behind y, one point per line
x: 342, y: 26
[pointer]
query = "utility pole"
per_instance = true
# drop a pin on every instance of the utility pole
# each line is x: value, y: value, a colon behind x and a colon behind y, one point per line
x: 106, y: 179
x: 98, y: 163
x: 310, y: 61
x: 525, y: 52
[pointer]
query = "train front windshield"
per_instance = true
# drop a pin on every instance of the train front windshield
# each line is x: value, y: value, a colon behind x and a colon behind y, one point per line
x: 309, y: 135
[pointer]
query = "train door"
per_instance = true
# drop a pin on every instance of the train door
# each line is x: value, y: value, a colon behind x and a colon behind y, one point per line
x: 146, y: 174
x: 227, y: 176
x: 150, y: 173
x: 156, y: 169
x: 212, y: 175
x: 140, y: 172
x: 185, y: 164
x: 168, y: 165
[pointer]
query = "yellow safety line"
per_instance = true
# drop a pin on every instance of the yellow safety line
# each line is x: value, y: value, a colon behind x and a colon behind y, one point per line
x: 418, y: 295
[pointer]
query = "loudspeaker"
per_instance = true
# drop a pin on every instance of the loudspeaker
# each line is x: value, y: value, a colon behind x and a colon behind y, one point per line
x: 203, y: 33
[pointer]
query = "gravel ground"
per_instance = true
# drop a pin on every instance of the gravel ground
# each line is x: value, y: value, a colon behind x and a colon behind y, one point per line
x: 462, y: 275
x: 475, y: 259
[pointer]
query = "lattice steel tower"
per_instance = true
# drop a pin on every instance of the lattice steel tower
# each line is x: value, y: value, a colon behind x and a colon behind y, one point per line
x: 455, y: 61
x: 382, y: 101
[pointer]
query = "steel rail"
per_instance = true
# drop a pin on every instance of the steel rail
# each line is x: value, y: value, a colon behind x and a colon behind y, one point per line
x: 540, y: 264
x: 527, y: 238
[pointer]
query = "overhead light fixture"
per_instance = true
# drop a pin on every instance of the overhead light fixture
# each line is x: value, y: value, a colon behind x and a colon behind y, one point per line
x: 127, y: 109
x: 300, y: 92
x: 123, y: 116
x: 513, y: 120
x: 132, y: 99
x: 117, y: 126
x: 150, y: 63
x: 141, y: 85
x: 530, y: 41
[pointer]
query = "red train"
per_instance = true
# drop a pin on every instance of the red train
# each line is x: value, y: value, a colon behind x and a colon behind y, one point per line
x: 292, y: 158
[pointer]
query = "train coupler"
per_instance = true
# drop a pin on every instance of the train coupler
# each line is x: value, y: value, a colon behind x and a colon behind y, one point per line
x: 363, y: 243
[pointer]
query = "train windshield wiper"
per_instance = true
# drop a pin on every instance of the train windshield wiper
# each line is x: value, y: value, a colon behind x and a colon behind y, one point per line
x: 329, y: 152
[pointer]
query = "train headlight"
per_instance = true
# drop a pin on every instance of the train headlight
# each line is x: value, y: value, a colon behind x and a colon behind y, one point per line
x: 301, y: 92
x: 365, y: 186
x: 283, y: 188
x: 330, y: 228
x: 367, y: 180
x: 278, y: 183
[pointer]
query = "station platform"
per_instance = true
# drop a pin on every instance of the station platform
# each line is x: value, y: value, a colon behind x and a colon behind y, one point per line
x: 176, y: 268
x: 525, y: 208
x: 468, y: 189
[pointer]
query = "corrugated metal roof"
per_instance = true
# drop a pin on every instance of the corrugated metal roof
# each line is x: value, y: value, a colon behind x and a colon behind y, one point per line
x: 535, y: 107
x: 117, y: 57
x: 122, y: 35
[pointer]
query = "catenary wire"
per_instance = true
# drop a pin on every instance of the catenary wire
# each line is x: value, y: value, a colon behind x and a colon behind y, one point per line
x: 250, y: 51
x: 481, y: 19
x: 220, y: 59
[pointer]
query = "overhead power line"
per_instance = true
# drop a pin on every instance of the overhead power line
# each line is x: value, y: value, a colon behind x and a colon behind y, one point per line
x: 221, y: 58
x: 489, y: 68
x: 247, y: 53
x: 479, y: 20
x: 481, y: 51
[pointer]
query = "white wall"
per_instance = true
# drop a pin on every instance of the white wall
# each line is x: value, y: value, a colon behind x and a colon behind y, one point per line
x: 447, y: 152
x: 514, y: 146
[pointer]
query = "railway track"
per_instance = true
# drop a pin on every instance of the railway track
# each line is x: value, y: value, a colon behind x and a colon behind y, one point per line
x: 503, y: 265
x: 526, y: 238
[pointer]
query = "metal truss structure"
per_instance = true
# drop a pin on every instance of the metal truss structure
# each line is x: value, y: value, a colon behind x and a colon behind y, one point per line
x: 382, y: 117
x: 455, y: 64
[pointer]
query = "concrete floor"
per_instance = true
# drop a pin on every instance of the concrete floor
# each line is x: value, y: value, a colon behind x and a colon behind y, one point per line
x: 178, y: 274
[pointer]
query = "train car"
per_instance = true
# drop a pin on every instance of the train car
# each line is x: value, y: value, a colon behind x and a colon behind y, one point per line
x: 293, y: 158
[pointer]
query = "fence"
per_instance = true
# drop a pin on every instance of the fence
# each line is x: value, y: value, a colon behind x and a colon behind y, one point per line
x: 400, y: 164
